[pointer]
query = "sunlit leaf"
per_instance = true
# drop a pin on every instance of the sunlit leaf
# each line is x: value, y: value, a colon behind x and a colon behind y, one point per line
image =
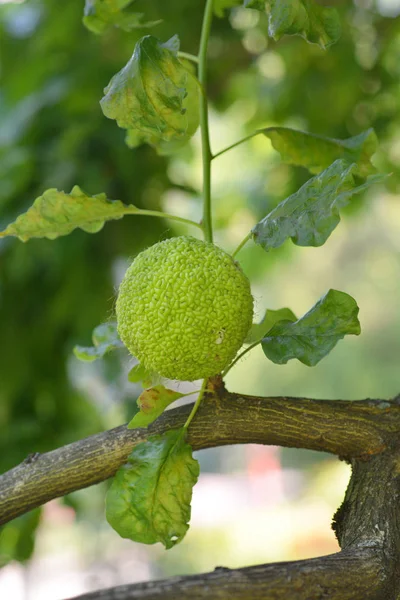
x: 155, y: 97
x: 105, y: 338
x: 57, y: 213
x: 149, y: 499
x: 101, y: 15
x: 316, y: 152
x: 152, y: 403
x: 310, y: 215
x: 258, y: 330
x: 315, y: 23
x: 314, y: 335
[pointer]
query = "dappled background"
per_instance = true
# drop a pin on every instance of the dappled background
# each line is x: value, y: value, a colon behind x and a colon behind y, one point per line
x: 252, y: 504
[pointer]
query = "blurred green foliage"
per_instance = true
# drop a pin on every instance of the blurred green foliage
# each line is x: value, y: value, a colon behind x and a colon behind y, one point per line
x: 53, y: 134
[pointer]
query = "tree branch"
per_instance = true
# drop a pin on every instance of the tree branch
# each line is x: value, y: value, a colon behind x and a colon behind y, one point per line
x: 347, y: 429
x: 354, y: 575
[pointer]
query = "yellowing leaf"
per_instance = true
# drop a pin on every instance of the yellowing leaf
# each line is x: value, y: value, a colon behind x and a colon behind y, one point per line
x: 315, y: 23
x: 154, y: 96
x: 101, y: 15
x: 57, y: 213
x: 152, y: 403
x: 316, y: 152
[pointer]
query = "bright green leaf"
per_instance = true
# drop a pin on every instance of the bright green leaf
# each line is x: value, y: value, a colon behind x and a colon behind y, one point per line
x: 258, y: 330
x: 314, y: 335
x: 155, y: 97
x: 315, y: 23
x: 220, y: 6
x: 316, y: 152
x: 149, y: 499
x: 57, y: 213
x: 139, y: 374
x: 101, y: 15
x: 105, y: 338
x: 310, y: 215
x: 152, y: 403
x: 256, y: 4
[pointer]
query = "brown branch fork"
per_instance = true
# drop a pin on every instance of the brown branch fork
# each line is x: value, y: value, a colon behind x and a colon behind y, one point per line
x: 366, y: 433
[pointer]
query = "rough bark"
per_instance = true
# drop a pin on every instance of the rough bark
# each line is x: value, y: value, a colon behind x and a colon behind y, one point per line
x: 343, y: 576
x: 350, y: 429
x: 367, y: 524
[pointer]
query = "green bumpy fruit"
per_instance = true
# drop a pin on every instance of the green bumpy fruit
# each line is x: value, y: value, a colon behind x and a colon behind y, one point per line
x: 184, y: 308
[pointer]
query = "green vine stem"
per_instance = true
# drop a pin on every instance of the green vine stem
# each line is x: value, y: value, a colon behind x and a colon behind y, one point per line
x: 238, y: 143
x: 162, y: 215
x: 196, y: 404
x: 205, y: 134
x: 242, y: 243
x: 188, y: 56
x: 239, y: 356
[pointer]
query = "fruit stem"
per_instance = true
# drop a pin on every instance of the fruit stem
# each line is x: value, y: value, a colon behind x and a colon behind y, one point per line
x: 196, y: 404
x: 188, y: 56
x: 239, y: 356
x: 242, y: 243
x: 205, y: 134
x: 156, y: 213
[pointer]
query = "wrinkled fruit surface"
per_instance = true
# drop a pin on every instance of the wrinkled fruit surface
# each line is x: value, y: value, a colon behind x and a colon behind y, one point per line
x: 184, y: 308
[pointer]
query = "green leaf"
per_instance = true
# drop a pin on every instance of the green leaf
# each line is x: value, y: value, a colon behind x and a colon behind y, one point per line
x: 315, y: 23
x: 139, y: 374
x: 316, y: 152
x: 101, y: 15
x: 314, y: 335
x: 220, y: 6
x: 256, y: 4
x: 105, y: 338
x: 57, y: 213
x: 310, y: 215
x: 152, y: 403
x: 155, y: 97
x: 258, y: 330
x: 149, y: 499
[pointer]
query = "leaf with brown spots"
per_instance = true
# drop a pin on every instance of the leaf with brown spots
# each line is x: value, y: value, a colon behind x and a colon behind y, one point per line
x: 152, y: 403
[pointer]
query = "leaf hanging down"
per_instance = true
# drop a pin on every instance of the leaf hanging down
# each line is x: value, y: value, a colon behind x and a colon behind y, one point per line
x: 57, y: 213
x: 101, y: 15
x: 152, y: 403
x: 105, y: 338
x: 310, y: 215
x: 258, y: 330
x: 149, y: 499
x: 154, y: 96
x: 314, y: 335
x: 316, y: 152
x: 315, y: 23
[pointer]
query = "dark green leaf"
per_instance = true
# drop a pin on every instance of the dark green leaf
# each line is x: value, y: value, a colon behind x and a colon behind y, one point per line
x: 105, y: 338
x: 258, y: 330
x: 149, y: 499
x: 152, y: 403
x: 310, y: 215
x: 155, y: 97
x: 316, y: 152
x: 57, y: 213
x: 315, y: 23
x: 101, y: 15
x: 314, y: 335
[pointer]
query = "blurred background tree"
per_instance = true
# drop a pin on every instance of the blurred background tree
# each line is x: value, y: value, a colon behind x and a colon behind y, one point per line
x: 53, y: 134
